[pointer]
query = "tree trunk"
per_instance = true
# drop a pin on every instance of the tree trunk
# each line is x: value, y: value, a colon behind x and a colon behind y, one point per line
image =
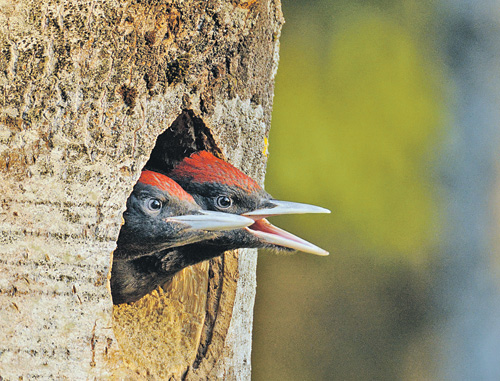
x: 86, y: 88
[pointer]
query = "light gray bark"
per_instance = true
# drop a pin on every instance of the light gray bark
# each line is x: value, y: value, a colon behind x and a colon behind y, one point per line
x: 86, y: 87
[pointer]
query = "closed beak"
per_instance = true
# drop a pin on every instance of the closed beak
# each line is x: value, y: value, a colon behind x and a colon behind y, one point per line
x: 209, y: 220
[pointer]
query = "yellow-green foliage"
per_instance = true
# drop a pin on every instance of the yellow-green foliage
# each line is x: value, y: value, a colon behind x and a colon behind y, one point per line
x: 355, y: 126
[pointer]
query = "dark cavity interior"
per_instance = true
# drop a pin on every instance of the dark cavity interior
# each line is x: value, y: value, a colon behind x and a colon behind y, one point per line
x: 186, y: 135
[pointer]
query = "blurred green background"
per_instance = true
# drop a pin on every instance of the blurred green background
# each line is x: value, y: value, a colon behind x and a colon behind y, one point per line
x: 360, y: 113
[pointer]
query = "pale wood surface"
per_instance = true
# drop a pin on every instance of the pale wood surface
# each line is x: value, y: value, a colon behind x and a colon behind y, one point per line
x: 86, y: 87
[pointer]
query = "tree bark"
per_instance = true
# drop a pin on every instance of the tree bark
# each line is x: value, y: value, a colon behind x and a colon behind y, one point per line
x: 86, y: 88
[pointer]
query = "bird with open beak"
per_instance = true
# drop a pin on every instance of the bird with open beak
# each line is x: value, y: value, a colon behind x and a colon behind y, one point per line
x: 160, y: 217
x: 165, y: 231
x: 219, y: 186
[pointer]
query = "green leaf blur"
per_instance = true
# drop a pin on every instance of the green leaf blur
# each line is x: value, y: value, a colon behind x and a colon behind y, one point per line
x: 357, y: 122
x: 354, y: 128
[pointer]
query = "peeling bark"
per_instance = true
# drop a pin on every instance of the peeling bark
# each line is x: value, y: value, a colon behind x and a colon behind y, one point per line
x: 86, y: 88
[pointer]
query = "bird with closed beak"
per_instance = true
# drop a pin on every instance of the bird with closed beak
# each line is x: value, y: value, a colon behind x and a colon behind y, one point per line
x: 165, y: 231
x: 160, y: 217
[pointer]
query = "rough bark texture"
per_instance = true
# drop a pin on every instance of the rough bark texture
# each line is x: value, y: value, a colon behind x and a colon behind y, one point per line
x: 86, y: 88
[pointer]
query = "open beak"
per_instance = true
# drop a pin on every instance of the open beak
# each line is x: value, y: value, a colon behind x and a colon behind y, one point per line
x: 268, y: 233
x: 278, y: 208
x: 271, y: 234
x: 209, y: 220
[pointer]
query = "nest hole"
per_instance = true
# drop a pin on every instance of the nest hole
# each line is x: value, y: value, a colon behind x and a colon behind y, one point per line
x: 186, y: 135
x: 167, y: 332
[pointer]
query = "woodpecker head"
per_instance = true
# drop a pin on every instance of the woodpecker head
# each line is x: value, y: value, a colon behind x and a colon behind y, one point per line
x: 161, y: 215
x: 218, y: 186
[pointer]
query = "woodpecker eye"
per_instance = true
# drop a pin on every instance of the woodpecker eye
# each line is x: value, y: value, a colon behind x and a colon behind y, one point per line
x: 223, y: 202
x: 154, y: 204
